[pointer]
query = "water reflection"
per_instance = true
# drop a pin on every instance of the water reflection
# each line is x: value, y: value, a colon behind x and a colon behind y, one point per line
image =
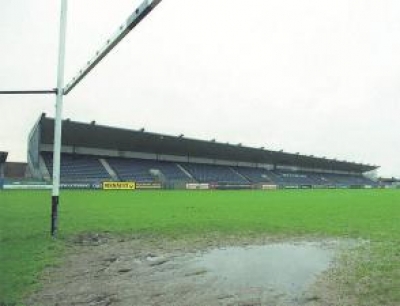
x: 284, y: 266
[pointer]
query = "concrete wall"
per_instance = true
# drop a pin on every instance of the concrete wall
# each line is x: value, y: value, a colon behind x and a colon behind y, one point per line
x: 16, y: 170
x: 225, y: 163
x: 178, y: 159
x: 33, y: 156
x: 198, y: 160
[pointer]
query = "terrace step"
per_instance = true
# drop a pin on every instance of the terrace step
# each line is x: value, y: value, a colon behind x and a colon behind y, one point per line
x: 239, y: 174
x: 109, y: 170
x: 186, y: 172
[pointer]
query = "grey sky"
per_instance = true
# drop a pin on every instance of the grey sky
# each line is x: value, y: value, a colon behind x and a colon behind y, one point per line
x: 315, y: 77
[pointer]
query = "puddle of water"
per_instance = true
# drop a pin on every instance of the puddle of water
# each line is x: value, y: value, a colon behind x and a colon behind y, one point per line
x: 282, y: 267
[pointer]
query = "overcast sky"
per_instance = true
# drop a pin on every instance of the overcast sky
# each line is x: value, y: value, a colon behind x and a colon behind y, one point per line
x: 315, y: 77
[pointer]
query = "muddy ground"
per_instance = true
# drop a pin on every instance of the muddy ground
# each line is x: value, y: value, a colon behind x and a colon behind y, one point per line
x: 101, y: 270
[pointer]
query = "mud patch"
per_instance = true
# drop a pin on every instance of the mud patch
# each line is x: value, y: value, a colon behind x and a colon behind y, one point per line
x: 208, y: 271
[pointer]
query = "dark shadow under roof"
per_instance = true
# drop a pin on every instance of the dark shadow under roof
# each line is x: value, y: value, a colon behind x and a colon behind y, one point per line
x: 3, y: 157
x: 103, y: 137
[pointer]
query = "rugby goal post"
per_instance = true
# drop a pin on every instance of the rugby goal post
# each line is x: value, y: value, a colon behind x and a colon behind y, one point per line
x: 133, y: 20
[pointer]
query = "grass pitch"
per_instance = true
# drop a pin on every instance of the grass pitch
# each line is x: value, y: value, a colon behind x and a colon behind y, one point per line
x: 26, y: 248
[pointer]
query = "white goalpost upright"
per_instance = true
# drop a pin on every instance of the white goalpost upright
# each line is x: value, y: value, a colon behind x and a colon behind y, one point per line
x: 134, y: 19
x: 58, y: 119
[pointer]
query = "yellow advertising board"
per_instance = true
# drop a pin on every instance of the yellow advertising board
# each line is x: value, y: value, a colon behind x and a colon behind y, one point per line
x: 119, y: 185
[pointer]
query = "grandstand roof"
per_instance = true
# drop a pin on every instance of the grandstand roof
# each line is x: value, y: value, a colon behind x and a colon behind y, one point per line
x: 104, y: 137
x: 3, y: 157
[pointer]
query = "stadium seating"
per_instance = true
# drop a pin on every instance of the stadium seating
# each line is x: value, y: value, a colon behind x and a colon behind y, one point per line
x: 299, y: 178
x: 256, y: 175
x: 78, y: 168
x: 347, y: 180
x: 214, y: 174
x: 141, y: 170
x: 89, y: 169
x: 319, y: 179
x: 293, y: 178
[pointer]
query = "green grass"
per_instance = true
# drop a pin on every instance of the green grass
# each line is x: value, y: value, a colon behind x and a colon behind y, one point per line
x: 26, y: 248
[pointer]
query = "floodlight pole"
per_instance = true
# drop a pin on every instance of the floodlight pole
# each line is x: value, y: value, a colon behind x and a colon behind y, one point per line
x: 58, y: 120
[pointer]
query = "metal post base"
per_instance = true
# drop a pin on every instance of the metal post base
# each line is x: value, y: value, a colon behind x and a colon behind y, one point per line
x: 54, y: 215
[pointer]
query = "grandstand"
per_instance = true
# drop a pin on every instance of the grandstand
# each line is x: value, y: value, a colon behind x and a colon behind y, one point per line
x: 92, y: 154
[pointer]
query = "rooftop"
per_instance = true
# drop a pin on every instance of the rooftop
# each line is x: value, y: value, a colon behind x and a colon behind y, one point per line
x: 91, y: 135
